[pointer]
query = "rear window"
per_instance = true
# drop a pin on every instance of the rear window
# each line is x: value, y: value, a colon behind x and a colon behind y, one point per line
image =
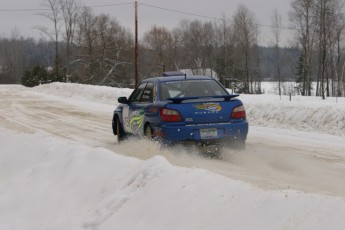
x: 191, y: 88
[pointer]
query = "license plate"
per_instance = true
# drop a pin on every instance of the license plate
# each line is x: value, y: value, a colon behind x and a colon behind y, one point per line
x: 208, y: 133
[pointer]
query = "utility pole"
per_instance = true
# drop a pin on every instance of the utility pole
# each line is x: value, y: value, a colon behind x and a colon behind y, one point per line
x: 136, y: 45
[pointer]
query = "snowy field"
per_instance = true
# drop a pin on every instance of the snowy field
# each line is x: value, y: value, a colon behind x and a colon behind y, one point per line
x: 53, y: 177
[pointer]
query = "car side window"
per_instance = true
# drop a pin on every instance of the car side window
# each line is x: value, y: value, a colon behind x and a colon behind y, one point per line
x: 147, y: 95
x: 137, y: 93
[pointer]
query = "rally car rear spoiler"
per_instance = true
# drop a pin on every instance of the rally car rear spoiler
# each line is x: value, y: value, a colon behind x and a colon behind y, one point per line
x: 179, y: 100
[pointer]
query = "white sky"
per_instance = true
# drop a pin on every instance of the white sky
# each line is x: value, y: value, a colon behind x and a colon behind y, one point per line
x: 25, y: 21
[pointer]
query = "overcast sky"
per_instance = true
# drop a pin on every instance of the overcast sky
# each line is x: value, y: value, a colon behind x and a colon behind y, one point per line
x: 25, y: 21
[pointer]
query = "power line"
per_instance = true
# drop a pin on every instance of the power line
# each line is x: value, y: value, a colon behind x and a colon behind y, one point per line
x: 208, y: 17
x: 22, y: 10
x: 181, y: 12
x: 280, y: 27
x: 46, y: 9
x: 147, y: 5
x: 114, y: 4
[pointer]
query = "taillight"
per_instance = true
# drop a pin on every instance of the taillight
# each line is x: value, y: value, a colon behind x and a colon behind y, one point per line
x: 238, y: 112
x: 170, y: 115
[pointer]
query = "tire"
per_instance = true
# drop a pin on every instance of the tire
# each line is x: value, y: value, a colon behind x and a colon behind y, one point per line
x: 114, y: 125
x: 120, y: 134
x: 148, y: 132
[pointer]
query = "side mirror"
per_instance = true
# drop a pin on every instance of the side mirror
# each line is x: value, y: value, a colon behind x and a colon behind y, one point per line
x: 123, y: 100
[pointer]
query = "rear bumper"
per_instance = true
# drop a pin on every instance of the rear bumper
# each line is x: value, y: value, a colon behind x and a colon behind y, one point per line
x: 173, y: 133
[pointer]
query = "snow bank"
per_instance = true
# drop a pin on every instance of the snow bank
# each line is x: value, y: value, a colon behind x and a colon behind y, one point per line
x: 99, y: 94
x: 47, y: 183
x: 301, y: 113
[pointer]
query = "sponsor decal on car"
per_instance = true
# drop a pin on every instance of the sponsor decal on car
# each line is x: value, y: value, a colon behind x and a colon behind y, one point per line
x: 136, y: 121
x: 208, y: 108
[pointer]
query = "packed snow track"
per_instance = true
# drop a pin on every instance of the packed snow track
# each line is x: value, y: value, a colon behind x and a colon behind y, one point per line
x: 273, y: 159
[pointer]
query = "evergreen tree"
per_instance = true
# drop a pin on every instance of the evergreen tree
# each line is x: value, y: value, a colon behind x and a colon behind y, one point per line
x: 34, y: 77
x: 303, y: 79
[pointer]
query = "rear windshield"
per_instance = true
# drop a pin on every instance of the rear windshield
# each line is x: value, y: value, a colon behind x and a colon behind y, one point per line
x: 191, y: 88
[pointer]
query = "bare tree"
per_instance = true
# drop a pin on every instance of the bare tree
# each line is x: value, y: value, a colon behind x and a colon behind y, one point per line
x: 208, y: 51
x: 327, y: 16
x: 70, y: 11
x: 335, y: 28
x: 257, y: 65
x: 339, y: 88
x: 321, y: 13
x: 276, y: 25
x: 86, y: 26
x: 12, y: 58
x: 245, y: 30
x: 191, y: 42
x: 177, y: 58
x: 54, y: 16
x: 159, y: 40
x: 224, y: 46
x: 101, y: 44
x: 302, y: 18
x: 116, y: 40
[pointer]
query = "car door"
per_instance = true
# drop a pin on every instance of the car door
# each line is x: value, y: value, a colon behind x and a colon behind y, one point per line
x: 134, y: 112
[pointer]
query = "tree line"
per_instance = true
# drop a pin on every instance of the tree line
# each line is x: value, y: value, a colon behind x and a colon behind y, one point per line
x: 319, y: 35
x: 96, y: 49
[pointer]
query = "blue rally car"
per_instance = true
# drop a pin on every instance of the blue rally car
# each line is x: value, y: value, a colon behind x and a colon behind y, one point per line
x: 176, y: 108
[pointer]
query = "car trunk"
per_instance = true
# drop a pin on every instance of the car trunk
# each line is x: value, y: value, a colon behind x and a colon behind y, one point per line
x: 204, y: 111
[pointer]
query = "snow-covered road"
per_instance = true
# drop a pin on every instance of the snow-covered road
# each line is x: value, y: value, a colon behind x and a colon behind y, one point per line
x: 274, y: 158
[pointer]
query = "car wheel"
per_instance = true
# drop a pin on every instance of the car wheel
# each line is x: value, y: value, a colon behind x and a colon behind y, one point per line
x: 114, y: 125
x: 148, y: 132
x: 120, y: 133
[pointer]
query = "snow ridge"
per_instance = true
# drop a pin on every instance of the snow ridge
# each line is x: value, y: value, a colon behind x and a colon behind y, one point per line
x: 301, y: 113
x: 72, y: 186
